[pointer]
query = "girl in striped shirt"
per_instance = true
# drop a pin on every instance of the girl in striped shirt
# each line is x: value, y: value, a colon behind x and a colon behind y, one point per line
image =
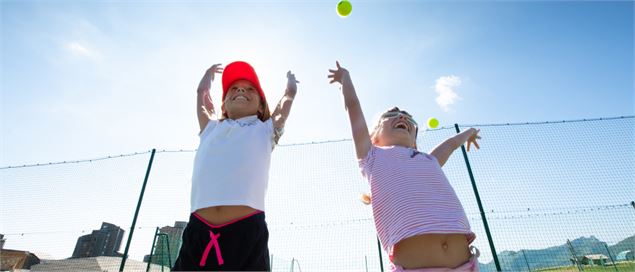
x: 419, y: 218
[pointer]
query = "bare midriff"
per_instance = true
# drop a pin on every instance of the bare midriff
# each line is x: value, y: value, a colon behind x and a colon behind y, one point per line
x: 432, y: 250
x: 218, y: 215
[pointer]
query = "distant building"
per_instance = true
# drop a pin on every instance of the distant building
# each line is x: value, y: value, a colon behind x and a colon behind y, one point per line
x: 96, y: 264
x: 626, y: 255
x: 103, y: 242
x: 594, y: 259
x: 173, y: 235
x: 11, y: 260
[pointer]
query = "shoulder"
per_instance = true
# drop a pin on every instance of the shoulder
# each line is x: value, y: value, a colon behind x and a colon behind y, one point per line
x: 372, y: 151
x: 211, y: 124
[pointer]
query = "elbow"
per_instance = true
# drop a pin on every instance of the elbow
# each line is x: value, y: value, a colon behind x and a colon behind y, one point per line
x: 202, y: 90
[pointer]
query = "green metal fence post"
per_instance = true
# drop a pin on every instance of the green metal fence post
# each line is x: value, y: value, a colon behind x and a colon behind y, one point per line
x: 381, y: 261
x: 480, y: 205
x: 611, y: 256
x: 166, y: 239
x: 527, y: 262
x: 134, y: 219
x: 575, y: 256
x: 152, y: 249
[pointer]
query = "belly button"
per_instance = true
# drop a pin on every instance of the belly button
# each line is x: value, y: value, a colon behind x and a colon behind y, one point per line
x: 445, y: 246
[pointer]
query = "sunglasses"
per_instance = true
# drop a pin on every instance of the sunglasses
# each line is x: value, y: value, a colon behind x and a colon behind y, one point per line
x: 407, y: 116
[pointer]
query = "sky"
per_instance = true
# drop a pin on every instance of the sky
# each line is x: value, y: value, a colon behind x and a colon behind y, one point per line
x: 87, y: 79
x: 81, y: 79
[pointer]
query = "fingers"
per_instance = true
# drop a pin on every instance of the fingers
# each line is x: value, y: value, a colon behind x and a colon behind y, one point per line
x: 473, y: 141
x: 476, y: 137
x: 335, y: 75
x: 215, y: 69
x: 291, y: 77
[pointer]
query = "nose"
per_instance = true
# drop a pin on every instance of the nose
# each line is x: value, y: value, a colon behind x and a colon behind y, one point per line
x: 240, y: 90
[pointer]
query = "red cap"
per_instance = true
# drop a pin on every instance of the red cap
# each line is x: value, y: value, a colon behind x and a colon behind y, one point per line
x: 240, y: 70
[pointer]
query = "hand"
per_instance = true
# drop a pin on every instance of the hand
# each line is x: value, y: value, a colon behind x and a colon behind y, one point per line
x: 292, y: 86
x: 340, y: 75
x: 215, y: 69
x: 206, y: 81
x: 473, y: 138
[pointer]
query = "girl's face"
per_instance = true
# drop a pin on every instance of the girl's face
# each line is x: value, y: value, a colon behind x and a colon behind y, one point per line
x: 242, y: 99
x: 396, y: 127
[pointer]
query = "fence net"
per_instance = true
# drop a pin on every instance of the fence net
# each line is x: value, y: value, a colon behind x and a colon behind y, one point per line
x: 555, y: 195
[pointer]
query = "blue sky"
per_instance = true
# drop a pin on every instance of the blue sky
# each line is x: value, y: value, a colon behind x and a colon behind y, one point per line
x: 84, y: 79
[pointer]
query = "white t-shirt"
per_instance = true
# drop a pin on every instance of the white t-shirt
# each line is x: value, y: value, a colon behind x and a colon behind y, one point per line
x: 231, y: 166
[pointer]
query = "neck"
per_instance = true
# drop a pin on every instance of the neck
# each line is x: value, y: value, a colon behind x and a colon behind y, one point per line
x: 235, y: 116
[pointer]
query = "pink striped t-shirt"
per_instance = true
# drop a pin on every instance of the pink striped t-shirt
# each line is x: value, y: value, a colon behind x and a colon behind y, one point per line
x: 411, y: 195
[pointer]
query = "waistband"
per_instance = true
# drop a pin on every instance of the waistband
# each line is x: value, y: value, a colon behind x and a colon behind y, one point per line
x: 252, y: 217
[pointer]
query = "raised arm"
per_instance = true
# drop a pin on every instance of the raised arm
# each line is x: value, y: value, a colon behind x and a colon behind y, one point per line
x: 443, y: 151
x: 355, y: 114
x: 204, y: 106
x: 281, y: 112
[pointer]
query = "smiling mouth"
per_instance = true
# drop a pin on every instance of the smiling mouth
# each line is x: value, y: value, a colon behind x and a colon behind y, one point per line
x: 240, y: 98
x: 402, y: 125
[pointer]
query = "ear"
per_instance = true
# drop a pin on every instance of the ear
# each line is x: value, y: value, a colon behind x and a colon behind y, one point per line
x: 373, y: 138
x: 223, y: 110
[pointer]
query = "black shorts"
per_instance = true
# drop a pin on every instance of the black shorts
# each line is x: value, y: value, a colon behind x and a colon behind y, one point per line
x: 238, y: 245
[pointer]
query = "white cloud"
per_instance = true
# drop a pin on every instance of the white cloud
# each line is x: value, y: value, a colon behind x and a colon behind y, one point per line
x: 81, y: 50
x: 445, y: 87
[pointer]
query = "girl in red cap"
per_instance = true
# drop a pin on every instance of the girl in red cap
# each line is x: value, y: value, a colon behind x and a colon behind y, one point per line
x: 419, y: 219
x: 227, y: 229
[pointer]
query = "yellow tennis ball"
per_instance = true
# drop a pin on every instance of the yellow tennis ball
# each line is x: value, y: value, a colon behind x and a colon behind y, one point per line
x: 344, y: 8
x: 433, y: 122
